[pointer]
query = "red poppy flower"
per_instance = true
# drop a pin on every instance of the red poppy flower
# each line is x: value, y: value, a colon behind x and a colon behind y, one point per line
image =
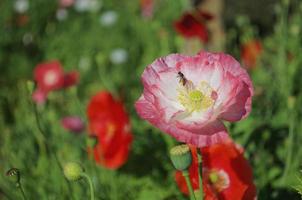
x: 66, y: 3
x: 70, y: 79
x: 22, y: 20
x: 49, y: 76
x: 226, y: 174
x: 193, y: 25
x: 147, y: 8
x: 250, y: 52
x: 109, y: 122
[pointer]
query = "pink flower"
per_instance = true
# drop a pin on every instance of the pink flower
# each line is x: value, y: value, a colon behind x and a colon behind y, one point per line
x: 73, y: 123
x: 189, y: 96
x: 39, y: 96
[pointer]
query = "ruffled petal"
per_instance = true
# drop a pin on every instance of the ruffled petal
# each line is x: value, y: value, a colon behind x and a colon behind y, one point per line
x: 209, y: 134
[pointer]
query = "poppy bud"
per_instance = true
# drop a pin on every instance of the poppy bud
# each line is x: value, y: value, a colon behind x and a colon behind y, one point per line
x: 181, y: 157
x: 14, y: 175
x: 73, y: 171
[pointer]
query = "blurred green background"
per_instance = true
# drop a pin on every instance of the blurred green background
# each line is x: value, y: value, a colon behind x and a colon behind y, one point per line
x: 81, y: 40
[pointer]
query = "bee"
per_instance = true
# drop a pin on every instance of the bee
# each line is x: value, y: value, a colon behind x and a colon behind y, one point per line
x: 182, y: 78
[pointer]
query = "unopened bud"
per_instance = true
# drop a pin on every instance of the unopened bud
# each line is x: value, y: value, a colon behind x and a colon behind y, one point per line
x: 181, y: 157
x: 73, y: 171
x: 14, y: 174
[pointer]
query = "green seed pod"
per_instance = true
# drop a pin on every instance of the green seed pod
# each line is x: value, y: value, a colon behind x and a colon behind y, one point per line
x: 14, y: 175
x: 213, y: 177
x: 73, y: 171
x: 181, y: 157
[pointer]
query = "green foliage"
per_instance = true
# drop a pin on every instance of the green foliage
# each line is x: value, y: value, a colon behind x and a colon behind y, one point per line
x: 33, y: 140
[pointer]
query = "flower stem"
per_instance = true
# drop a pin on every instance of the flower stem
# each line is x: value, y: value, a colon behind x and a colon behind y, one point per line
x: 19, y: 185
x: 90, y: 185
x: 185, y: 173
x: 200, y: 174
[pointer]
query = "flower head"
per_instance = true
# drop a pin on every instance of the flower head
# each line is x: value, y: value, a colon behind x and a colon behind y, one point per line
x: 109, y: 122
x: 226, y: 173
x: 188, y: 97
x: 108, y: 18
x: 49, y: 75
x: 147, y: 8
x: 39, y: 96
x: 70, y: 79
x: 73, y: 123
x: 87, y: 5
x: 21, y: 6
x: 193, y: 25
x: 66, y: 3
x: 118, y: 56
x: 250, y: 52
x: 61, y: 14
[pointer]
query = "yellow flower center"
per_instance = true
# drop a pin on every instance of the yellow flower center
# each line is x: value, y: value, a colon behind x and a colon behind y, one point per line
x: 219, y: 180
x: 195, y: 98
x: 111, y: 128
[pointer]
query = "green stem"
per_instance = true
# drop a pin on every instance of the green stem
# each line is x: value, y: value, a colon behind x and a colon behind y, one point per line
x: 185, y: 173
x: 290, y: 149
x: 19, y: 185
x: 200, y: 173
x: 90, y: 185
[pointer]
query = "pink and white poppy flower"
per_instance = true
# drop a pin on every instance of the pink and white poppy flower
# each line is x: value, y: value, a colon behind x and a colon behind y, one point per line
x: 189, y: 96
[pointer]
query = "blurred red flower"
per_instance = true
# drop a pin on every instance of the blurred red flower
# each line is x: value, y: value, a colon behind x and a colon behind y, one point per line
x: 50, y: 76
x: 147, y: 8
x: 109, y: 122
x: 192, y: 25
x: 250, y: 52
x: 66, y: 3
x: 226, y: 173
x: 71, y: 78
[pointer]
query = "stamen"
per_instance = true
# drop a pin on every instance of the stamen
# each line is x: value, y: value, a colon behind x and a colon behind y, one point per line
x: 195, y: 98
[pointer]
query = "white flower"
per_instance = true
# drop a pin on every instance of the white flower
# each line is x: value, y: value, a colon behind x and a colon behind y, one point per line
x: 87, y: 5
x: 61, y: 14
x: 118, y: 56
x: 84, y: 63
x: 21, y: 6
x: 27, y: 38
x: 108, y: 18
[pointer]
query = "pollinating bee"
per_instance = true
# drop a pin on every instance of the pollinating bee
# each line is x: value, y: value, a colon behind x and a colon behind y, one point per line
x: 182, y: 78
